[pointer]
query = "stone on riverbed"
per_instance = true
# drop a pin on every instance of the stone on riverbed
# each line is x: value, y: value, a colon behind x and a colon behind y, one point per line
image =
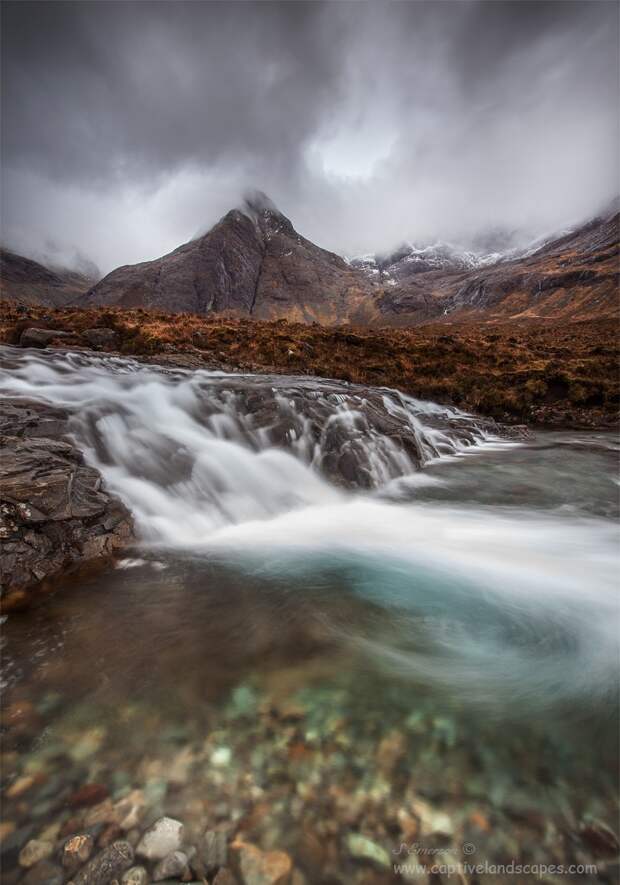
x: 362, y: 848
x: 173, y: 866
x: 43, y: 873
x: 214, y: 849
x: 87, y: 794
x: 221, y: 757
x: 34, y: 851
x: 600, y: 838
x: 163, y: 838
x: 135, y: 876
x: 258, y: 867
x: 129, y: 810
x: 109, y: 864
x: 20, y: 786
x: 87, y: 745
x: 392, y: 748
x: 432, y: 820
x: 76, y: 851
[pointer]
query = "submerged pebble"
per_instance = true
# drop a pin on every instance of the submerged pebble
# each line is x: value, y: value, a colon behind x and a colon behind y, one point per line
x: 363, y: 848
x: 258, y: 867
x: 135, y: 876
x: 76, y: 852
x: 163, y: 838
x: 108, y: 865
x: 34, y: 851
x: 170, y: 867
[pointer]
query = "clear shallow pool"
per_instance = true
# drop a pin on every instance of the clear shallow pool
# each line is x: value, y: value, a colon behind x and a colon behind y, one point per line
x: 433, y: 663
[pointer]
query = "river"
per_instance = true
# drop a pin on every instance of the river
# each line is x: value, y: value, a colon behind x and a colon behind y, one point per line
x: 343, y: 641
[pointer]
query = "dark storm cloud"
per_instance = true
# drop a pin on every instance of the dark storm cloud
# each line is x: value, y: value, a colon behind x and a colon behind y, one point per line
x: 125, y: 89
x: 129, y: 126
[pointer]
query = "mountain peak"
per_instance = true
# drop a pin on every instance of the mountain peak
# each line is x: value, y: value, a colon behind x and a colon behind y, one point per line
x: 266, y: 216
x: 256, y: 207
x: 256, y: 202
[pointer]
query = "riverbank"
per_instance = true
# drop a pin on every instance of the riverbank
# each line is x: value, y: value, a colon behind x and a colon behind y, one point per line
x: 552, y: 375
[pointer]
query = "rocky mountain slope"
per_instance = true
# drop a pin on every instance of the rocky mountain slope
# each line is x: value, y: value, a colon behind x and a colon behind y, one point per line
x: 252, y: 262
x: 26, y: 281
x: 573, y: 277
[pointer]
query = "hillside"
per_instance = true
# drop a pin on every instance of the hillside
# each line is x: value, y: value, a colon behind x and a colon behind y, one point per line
x: 573, y: 277
x: 25, y: 281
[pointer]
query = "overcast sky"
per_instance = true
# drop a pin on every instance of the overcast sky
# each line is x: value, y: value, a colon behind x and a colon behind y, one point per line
x: 127, y: 128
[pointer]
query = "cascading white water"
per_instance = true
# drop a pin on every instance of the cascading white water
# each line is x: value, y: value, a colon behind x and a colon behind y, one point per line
x: 193, y: 452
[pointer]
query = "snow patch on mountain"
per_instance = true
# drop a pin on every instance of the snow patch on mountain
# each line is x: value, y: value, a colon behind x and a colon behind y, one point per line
x: 411, y: 258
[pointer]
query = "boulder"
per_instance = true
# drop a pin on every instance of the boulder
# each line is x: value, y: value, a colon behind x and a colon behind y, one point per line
x: 41, y: 337
x: 27, y: 418
x: 101, y: 337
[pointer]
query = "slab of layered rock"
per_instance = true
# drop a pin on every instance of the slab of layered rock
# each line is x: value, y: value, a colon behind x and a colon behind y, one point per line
x: 55, y: 512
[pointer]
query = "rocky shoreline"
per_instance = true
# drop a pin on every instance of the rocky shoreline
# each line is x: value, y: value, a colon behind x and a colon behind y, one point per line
x: 55, y: 512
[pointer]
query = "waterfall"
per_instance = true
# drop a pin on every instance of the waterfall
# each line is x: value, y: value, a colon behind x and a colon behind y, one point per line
x: 192, y: 452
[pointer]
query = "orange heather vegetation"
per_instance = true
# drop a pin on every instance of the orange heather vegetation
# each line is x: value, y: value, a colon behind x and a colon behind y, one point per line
x: 538, y: 372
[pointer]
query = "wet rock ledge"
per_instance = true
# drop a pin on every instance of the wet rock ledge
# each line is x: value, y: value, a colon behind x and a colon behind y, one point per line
x: 55, y: 512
